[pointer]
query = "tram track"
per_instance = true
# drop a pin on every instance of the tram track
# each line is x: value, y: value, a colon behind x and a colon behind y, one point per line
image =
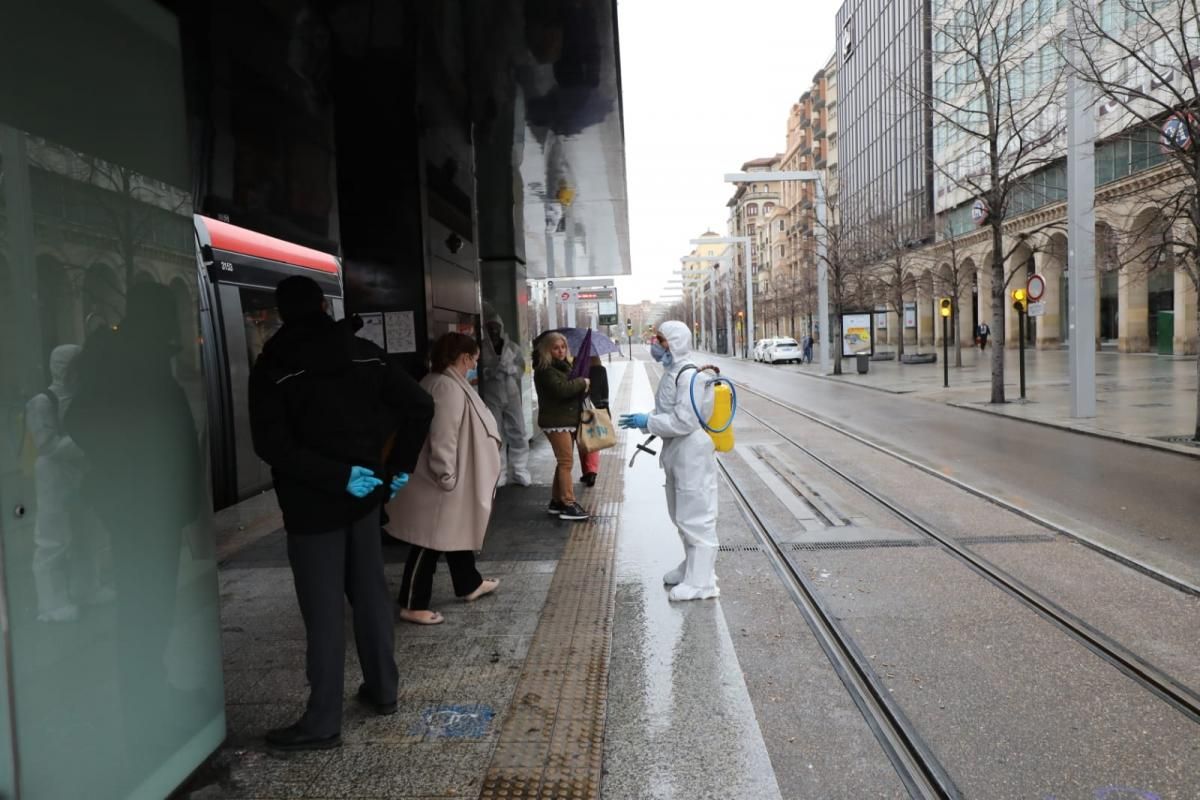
x: 1166, y: 579
x: 919, y: 770
x: 1180, y: 696
x: 918, y: 765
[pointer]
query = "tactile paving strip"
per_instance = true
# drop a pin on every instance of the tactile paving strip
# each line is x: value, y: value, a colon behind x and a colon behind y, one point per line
x: 551, y: 744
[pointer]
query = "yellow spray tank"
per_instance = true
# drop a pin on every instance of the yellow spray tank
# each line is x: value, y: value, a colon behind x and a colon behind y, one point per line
x: 719, y: 425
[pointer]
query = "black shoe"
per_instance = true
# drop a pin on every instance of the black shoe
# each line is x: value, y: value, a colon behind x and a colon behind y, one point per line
x: 555, y: 508
x: 573, y: 512
x: 589, y: 478
x: 381, y: 709
x: 293, y: 737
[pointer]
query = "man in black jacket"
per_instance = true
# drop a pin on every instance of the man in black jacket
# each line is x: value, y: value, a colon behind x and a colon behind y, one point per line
x: 340, y: 428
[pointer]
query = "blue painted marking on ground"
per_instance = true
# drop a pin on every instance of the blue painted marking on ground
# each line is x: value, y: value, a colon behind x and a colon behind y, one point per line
x: 456, y: 722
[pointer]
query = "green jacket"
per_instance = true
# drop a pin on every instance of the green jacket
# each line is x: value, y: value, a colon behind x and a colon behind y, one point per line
x: 559, y: 397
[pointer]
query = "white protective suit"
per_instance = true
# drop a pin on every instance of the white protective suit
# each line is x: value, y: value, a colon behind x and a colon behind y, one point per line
x: 689, y: 461
x: 58, y: 471
x: 500, y: 376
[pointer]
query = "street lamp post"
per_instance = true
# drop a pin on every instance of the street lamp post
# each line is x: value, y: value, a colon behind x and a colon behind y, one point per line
x: 822, y: 267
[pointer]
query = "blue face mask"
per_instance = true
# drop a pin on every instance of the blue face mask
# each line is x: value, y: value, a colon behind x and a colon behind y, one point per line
x: 668, y: 359
x: 472, y: 374
x: 657, y: 351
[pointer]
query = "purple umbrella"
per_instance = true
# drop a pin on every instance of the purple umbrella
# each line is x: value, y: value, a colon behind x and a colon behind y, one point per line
x: 601, y: 344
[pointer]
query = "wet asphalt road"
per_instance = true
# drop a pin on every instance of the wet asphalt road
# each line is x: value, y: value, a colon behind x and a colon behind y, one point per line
x: 1143, y: 502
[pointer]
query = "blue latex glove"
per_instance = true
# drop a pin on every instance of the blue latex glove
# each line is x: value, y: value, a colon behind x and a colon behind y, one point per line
x: 639, y: 421
x: 362, y: 482
x: 398, y: 483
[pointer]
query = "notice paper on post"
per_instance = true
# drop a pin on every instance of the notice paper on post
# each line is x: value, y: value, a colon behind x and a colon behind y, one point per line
x: 372, y: 329
x: 401, y: 332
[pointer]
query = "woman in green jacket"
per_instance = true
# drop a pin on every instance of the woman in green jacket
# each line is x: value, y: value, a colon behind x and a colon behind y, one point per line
x: 559, y: 400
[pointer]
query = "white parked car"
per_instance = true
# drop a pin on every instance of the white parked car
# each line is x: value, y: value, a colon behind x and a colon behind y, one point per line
x: 760, y: 348
x: 785, y: 350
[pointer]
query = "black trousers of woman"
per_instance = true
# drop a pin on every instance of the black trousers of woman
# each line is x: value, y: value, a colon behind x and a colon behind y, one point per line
x: 417, y: 586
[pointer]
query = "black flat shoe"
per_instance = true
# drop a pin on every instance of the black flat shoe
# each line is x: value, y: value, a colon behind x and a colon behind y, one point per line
x: 381, y: 709
x: 293, y: 737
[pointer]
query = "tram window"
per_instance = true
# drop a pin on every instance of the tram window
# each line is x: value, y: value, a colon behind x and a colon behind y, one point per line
x: 261, y: 320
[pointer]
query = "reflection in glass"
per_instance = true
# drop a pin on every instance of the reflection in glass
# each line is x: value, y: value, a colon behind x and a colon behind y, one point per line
x: 110, y: 575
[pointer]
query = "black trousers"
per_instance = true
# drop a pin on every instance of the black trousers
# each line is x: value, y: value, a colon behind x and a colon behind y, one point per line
x: 327, y: 566
x: 417, y: 587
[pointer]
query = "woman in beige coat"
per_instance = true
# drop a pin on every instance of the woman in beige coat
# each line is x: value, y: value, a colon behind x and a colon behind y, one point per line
x: 448, y: 501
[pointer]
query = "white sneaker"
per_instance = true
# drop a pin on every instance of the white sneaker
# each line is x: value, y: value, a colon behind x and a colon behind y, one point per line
x: 522, y: 479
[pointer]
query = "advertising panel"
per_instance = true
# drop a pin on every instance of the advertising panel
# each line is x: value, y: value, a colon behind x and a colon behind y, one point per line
x: 856, y: 334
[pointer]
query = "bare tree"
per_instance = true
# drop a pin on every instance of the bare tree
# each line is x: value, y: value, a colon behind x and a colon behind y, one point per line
x: 1142, y: 57
x: 954, y: 280
x: 887, y: 249
x: 996, y: 109
x: 845, y: 275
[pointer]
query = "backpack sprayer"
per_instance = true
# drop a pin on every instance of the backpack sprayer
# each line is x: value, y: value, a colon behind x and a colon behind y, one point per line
x: 719, y: 425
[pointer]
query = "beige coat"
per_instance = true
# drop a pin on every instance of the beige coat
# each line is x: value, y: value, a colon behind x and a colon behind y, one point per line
x: 448, y: 500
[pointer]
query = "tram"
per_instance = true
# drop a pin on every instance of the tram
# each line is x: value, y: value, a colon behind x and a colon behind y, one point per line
x: 239, y: 270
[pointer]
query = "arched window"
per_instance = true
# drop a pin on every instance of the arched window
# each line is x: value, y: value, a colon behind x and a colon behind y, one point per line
x: 752, y: 210
x: 768, y: 208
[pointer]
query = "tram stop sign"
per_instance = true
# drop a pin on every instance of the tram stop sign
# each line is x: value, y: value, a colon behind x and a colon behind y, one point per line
x: 1035, y: 287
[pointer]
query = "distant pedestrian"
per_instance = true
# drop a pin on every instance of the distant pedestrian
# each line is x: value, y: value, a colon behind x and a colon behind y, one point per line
x: 447, y: 505
x: 340, y: 428
x: 981, y: 335
x: 559, y: 398
x: 807, y: 348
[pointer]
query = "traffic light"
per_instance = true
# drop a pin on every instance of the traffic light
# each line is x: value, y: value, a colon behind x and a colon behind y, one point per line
x: 1020, y: 301
x: 945, y: 306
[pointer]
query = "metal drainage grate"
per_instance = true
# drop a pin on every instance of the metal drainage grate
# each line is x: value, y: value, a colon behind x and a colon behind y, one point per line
x: 739, y: 548
x: 869, y: 544
x: 1012, y: 538
x: 1184, y: 440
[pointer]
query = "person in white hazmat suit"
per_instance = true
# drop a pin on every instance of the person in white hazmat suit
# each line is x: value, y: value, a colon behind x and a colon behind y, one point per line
x: 59, y: 472
x: 688, y: 459
x: 502, y: 367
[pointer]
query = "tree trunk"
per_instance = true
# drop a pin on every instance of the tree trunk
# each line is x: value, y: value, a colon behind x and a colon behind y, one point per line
x: 997, y: 313
x: 1196, y: 434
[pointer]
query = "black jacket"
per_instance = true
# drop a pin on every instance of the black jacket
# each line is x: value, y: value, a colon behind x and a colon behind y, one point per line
x: 599, y: 391
x: 321, y: 401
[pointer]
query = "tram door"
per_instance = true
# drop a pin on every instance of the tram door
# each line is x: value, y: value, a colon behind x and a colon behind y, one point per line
x: 108, y: 577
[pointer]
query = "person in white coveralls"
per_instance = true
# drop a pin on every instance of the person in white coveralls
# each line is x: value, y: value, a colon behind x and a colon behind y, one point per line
x: 689, y: 460
x: 502, y: 367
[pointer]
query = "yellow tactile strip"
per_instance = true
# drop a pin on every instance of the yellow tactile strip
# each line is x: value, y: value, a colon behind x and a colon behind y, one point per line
x: 551, y: 744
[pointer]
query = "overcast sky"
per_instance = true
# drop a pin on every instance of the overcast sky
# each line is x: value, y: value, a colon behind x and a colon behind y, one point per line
x: 707, y: 86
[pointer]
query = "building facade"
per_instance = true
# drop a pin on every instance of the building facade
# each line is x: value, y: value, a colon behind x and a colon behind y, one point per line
x: 1141, y: 307
x: 750, y: 206
x: 883, y: 80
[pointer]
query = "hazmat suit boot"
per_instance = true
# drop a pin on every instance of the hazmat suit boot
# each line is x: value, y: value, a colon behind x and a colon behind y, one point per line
x: 518, y: 466
x: 699, y: 580
x: 675, y: 576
